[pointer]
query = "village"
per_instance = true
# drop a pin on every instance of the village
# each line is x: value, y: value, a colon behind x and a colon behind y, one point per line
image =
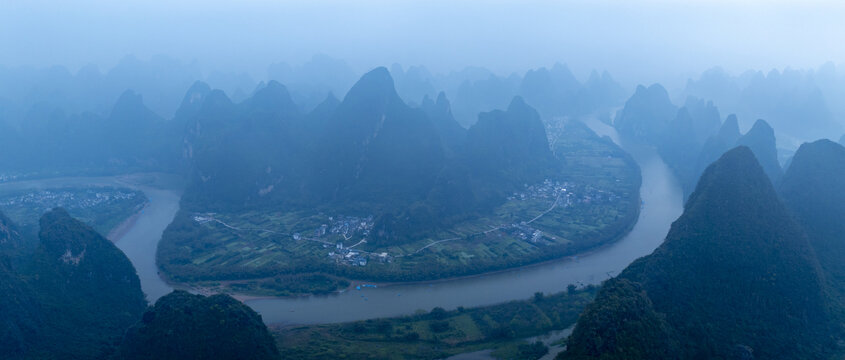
x: 341, y: 236
x: 67, y: 198
x: 9, y: 177
x: 345, y: 228
x: 565, y: 192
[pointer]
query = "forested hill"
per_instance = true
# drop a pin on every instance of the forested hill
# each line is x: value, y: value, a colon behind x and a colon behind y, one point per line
x: 735, y: 274
x: 814, y: 189
x: 186, y: 326
x: 77, y: 295
x: 72, y: 298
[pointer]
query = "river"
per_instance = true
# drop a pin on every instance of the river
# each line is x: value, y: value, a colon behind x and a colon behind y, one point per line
x: 660, y: 193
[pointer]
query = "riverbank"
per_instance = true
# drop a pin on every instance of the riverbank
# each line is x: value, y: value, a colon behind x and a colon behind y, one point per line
x: 121, y: 229
x: 226, y: 286
x: 201, y: 247
x: 506, y: 329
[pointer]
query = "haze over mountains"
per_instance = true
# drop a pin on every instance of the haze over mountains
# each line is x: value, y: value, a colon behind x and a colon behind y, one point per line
x: 439, y: 179
x: 57, y: 116
x: 691, y: 137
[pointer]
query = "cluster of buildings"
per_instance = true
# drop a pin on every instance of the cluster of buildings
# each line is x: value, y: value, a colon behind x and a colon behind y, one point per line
x: 343, y: 229
x: 8, y: 177
x: 69, y: 199
x: 547, y: 189
x: 525, y: 232
x: 346, y: 226
x: 202, y: 219
x: 565, y: 193
x: 351, y: 257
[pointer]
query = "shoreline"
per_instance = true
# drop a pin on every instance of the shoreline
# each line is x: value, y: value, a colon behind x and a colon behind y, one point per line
x: 121, y: 229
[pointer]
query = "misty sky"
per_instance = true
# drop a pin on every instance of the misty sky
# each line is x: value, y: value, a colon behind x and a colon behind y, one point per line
x: 640, y: 41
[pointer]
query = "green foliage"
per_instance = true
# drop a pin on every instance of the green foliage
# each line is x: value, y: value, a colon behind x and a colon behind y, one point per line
x: 735, y: 269
x: 281, y: 285
x: 72, y: 298
x: 183, y: 326
x: 439, y: 333
x: 20, y: 321
x: 814, y: 189
x: 621, y: 324
x: 532, y: 351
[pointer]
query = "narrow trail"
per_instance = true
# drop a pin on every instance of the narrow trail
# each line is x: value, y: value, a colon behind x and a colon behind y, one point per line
x: 244, y: 229
x: 554, y: 205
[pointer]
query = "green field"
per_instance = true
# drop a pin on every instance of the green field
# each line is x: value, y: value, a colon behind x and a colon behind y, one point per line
x: 439, y: 334
x: 593, y: 201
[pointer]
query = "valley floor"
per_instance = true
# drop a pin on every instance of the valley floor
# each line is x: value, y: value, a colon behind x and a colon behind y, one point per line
x: 595, y: 201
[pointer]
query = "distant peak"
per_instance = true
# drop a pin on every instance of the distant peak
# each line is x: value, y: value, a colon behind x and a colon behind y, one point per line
x: 378, y: 76
x: 193, y: 99
x: 130, y: 107
x: 656, y: 88
x: 215, y: 101
x: 730, y: 128
x: 376, y: 85
x: 560, y: 67
x: 517, y: 104
x: 735, y: 175
x: 273, y: 97
x: 129, y: 97
x: 330, y: 98
x: 819, y: 149
x: 217, y: 96
x: 427, y: 102
x: 683, y: 114
x: 442, y: 100
x: 328, y: 105
x: 274, y: 85
x: 273, y: 91
x: 763, y: 127
x: 55, y: 214
x: 196, y: 93
x: 199, y: 87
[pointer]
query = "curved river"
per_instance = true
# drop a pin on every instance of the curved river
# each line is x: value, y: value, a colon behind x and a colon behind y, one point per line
x: 662, y: 204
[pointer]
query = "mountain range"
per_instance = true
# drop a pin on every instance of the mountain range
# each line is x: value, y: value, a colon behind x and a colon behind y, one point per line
x: 367, y: 153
